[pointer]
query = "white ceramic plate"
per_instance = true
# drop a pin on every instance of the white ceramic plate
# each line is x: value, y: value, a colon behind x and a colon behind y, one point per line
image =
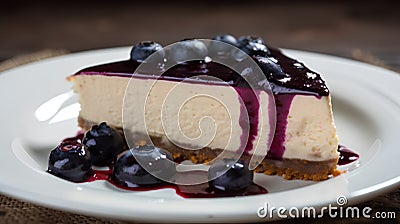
x: 37, y: 111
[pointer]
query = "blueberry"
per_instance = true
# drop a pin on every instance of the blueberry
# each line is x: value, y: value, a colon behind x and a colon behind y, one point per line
x: 187, y: 49
x: 253, y: 46
x: 70, y: 161
x: 271, y: 69
x: 217, y: 48
x: 128, y: 170
x: 104, y: 144
x: 144, y: 49
x: 229, y: 39
x: 249, y: 38
x: 238, y: 177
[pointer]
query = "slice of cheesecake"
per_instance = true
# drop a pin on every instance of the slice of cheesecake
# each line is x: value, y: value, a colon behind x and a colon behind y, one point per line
x: 214, y: 116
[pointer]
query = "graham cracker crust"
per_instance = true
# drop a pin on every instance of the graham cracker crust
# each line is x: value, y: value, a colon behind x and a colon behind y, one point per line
x: 287, y: 168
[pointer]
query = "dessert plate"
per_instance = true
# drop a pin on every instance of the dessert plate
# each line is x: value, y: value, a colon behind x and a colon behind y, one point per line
x: 39, y: 109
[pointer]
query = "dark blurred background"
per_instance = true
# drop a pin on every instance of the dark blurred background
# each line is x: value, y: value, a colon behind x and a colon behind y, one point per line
x: 340, y: 28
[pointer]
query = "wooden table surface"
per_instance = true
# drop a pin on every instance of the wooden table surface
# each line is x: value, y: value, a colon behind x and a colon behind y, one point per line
x: 359, y: 30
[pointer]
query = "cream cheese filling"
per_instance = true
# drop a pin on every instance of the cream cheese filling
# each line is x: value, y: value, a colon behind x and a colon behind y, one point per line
x: 205, y: 115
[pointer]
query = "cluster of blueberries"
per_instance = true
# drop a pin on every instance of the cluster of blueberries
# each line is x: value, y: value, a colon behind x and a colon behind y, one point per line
x: 188, y: 48
x: 102, y: 145
x: 73, y: 158
x: 233, y: 48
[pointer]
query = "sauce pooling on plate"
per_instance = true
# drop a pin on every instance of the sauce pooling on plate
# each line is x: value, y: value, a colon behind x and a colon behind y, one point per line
x: 346, y: 155
x: 202, y: 190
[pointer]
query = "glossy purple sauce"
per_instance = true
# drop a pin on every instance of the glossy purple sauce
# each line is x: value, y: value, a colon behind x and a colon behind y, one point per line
x: 186, y: 191
x: 78, y: 138
x: 301, y: 81
x: 346, y: 155
x: 282, y: 103
x: 251, y: 109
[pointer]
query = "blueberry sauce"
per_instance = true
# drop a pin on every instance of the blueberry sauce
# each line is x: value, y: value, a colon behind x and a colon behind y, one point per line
x: 78, y: 138
x: 204, y: 191
x: 186, y: 191
x: 300, y: 80
x: 99, y: 175
x: 282, y: 103
x: 346, y: 155
x: 250, y: 109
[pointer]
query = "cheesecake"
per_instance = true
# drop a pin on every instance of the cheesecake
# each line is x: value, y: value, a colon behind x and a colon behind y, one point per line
x: 199, y: 109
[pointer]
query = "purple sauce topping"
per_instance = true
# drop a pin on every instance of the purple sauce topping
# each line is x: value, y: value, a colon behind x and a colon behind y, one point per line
x: 346, y: 156
x: 251, y: 107
x: 301, y: 79
x: 282, y: 103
